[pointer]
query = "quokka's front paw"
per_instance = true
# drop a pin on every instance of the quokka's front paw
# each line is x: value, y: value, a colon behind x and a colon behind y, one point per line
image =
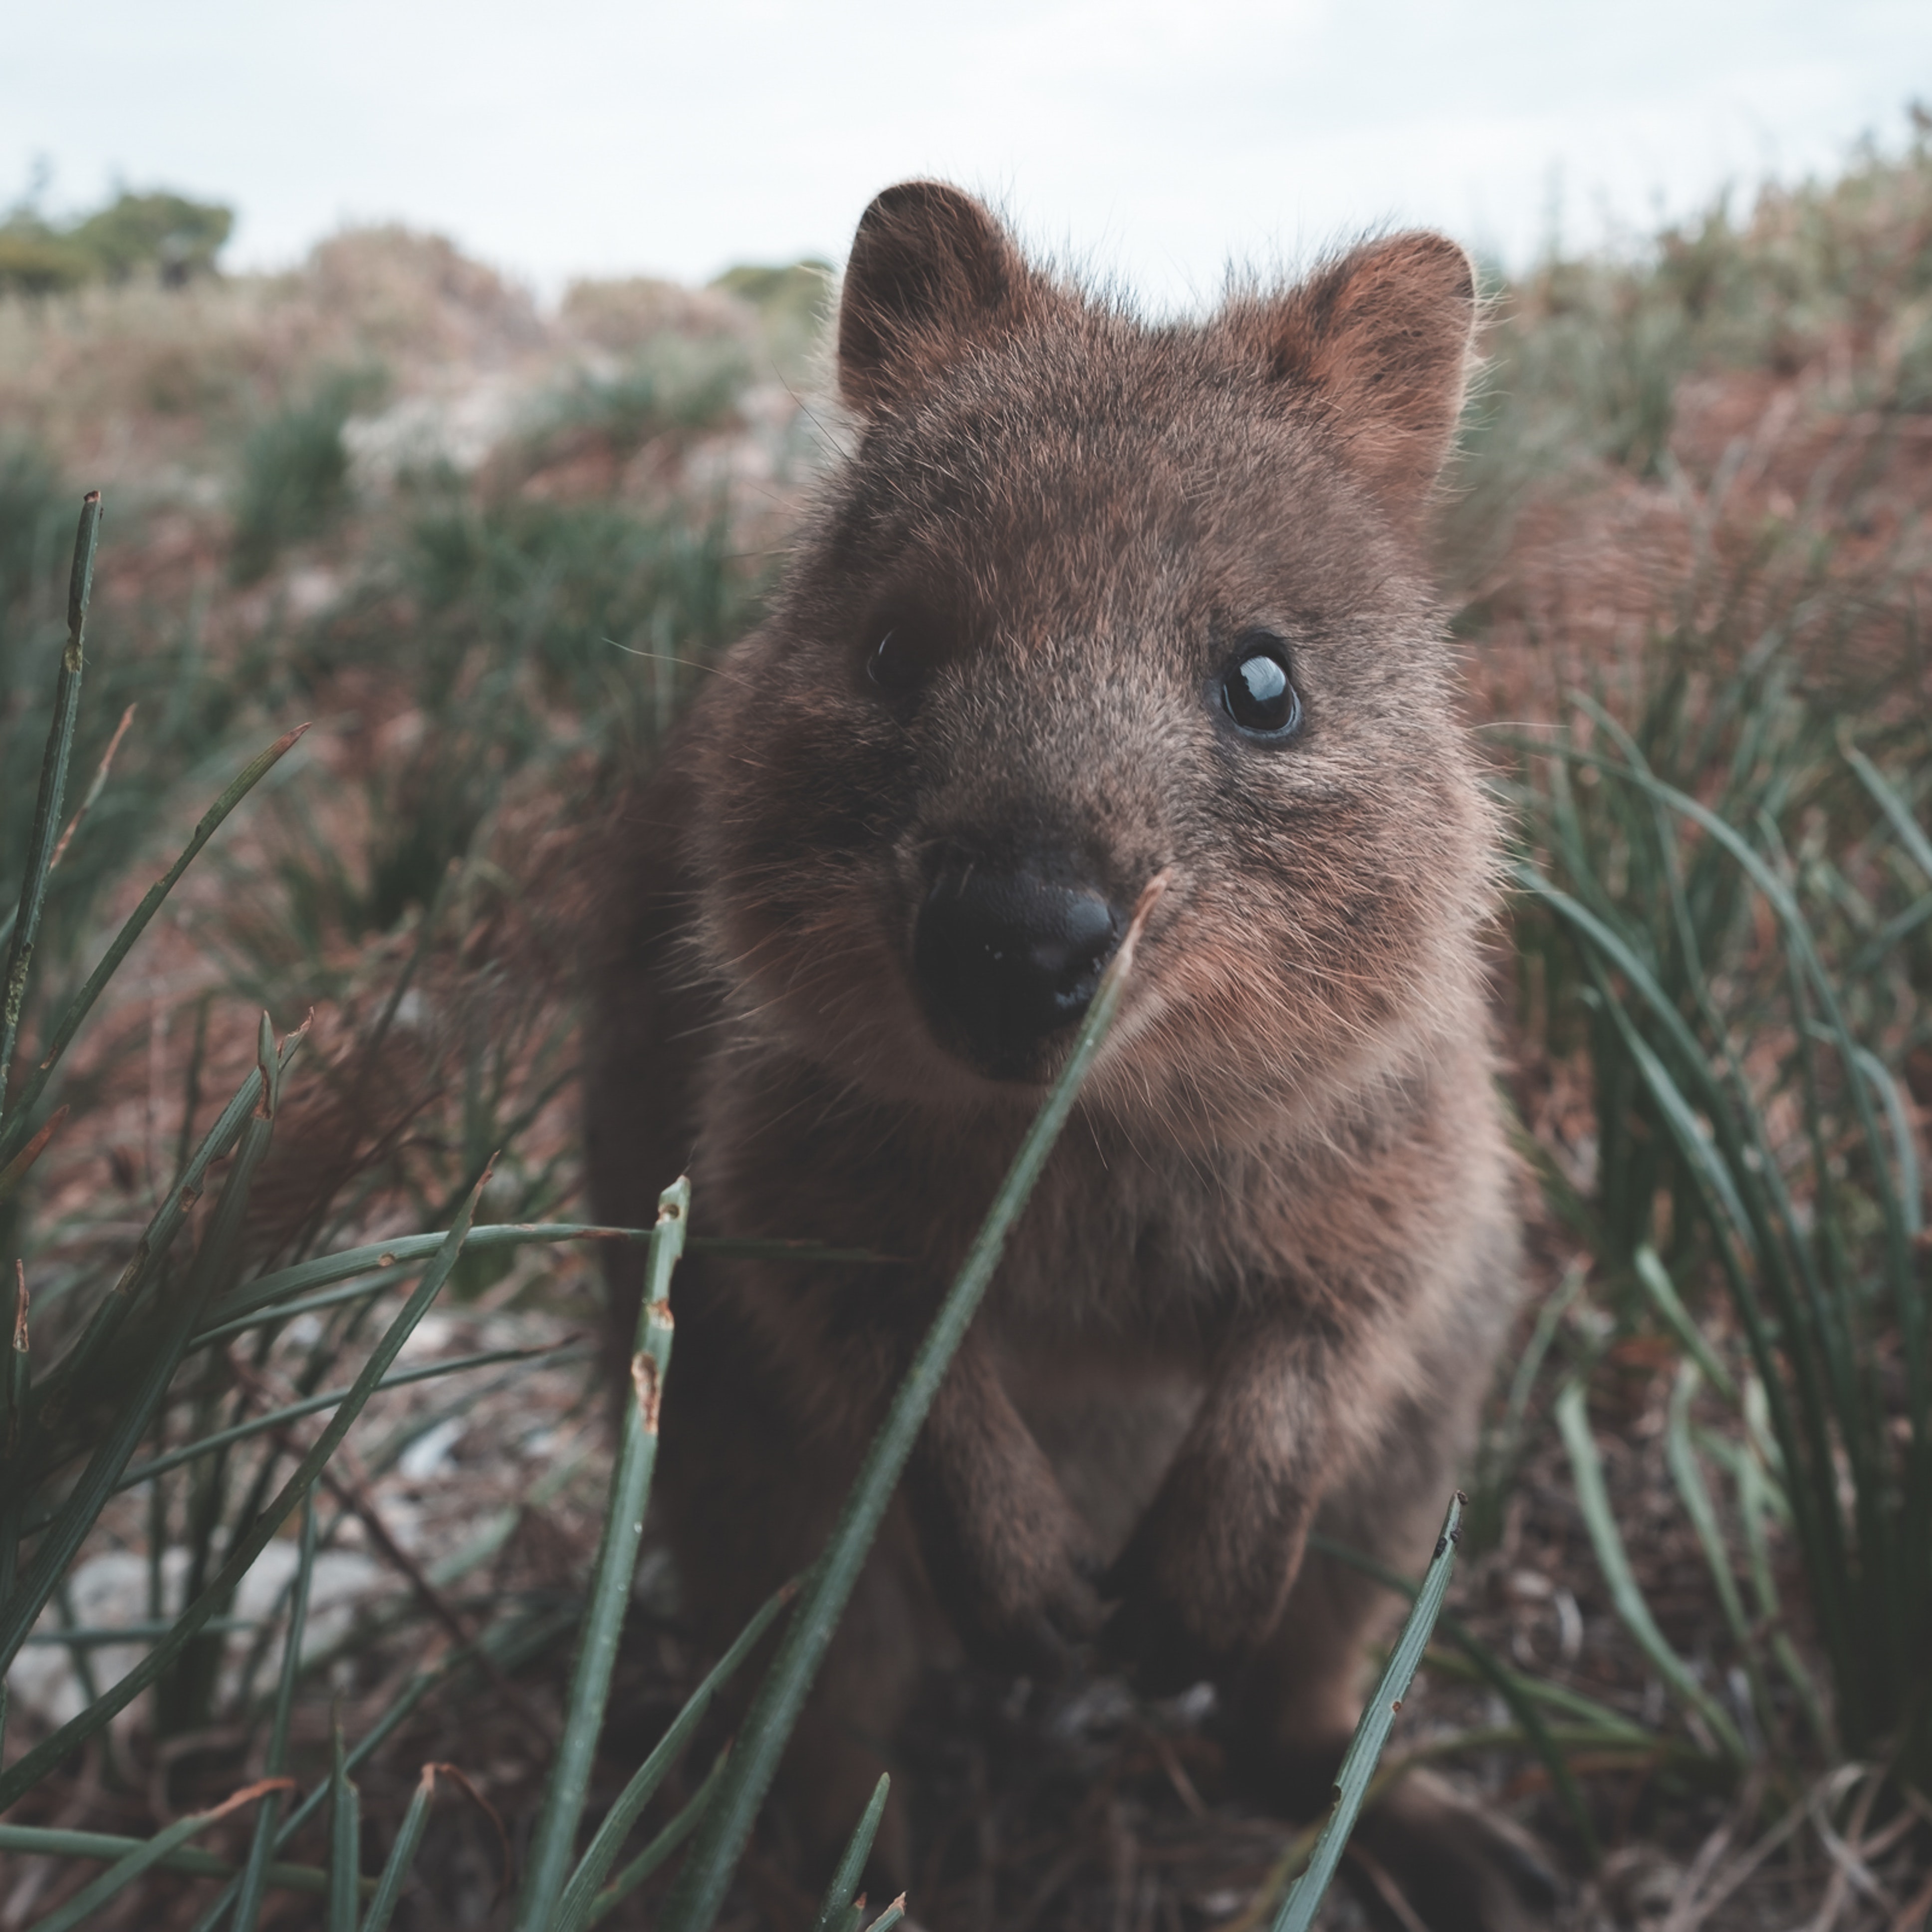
x: 1153, y: 1635
x: 1030, y: 1611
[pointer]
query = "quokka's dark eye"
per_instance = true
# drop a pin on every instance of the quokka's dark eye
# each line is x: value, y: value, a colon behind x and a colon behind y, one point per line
x: 1257, y: 690
x: 894, y: 664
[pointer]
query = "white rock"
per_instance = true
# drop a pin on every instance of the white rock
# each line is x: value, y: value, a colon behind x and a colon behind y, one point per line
x: 111, y: 1590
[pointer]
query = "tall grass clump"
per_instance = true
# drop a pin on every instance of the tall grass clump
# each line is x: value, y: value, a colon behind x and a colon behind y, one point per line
x: 1728, y: 916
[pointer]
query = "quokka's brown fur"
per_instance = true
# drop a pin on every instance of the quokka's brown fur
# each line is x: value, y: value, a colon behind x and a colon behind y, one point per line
x: 1264, y: 1278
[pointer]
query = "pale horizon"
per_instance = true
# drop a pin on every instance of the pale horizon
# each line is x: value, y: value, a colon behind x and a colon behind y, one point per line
x: 1153, y: 147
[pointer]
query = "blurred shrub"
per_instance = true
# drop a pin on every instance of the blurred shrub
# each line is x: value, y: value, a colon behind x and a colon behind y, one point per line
x: 670, y: 386
x: 395, y: 292
x: 792, y: 303
x: 794, y: 294
x: 294, y: 472
x: 624, y: 315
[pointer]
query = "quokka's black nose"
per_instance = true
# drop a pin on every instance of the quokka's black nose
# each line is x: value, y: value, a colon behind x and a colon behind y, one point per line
x: 1005, y: 957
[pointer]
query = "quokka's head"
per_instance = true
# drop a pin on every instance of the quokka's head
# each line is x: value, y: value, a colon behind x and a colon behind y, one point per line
x: 1089, y: 602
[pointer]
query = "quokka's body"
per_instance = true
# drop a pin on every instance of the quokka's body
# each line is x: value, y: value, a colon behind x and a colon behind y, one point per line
x: 1089, y: 602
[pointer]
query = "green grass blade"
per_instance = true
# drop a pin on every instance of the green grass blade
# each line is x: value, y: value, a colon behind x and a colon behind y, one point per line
x: 1358, y: 1763
x: 1718, y: 1171
x: 17, y: 1169
x: 14, y: 1134
x: 611, y: 1578
x: 402, y: 1854
x: 73, y: 1369
x: 45, y: 828
x: 1682, y: 1457
x: 16, y: 1385
x: 1885, y: 795
x: 254, y: 1874
x: 1758, y: 1501
x: 125, y: 1869
x: 1522, y: 1695
x: 21, y: 1776
x: 345, y: 1839
x: 391, y: 1260
x: 37, y: 1840
x: 1879, y: 947
x: 1574, y: 1422
x: 700, y: 1888
x: 1705, y: 1160
x: 1820, y: 1524
x: 1803, y: 950
x: 279, y: 1418
x: 578, y: 1906
x: 1502, y: 1448
x: 1669, y: 1305
x: 661, y: 1847
x: 890, y: 1917
x: 1905, y: 1145
x: 836, y: 1908
x: 96, y: 785
x: 212, y: 1265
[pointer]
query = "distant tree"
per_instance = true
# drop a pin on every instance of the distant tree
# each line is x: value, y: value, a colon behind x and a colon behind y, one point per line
x: 35, y: 260
x: 177, y: 238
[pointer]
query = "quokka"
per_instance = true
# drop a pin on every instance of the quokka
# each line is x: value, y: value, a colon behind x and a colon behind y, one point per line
x: 1090, y: 601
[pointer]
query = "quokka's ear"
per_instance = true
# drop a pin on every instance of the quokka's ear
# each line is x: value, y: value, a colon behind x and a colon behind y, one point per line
x: 931, y: 274
x: 1383, y: 339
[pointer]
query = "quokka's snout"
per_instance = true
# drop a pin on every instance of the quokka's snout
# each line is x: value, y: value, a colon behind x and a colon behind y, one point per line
x: 1008, y: 952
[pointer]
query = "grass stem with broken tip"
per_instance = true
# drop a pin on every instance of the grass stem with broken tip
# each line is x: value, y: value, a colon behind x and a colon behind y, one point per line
x: 1365, y: 1748
x: 1522, y: 1695
x: 612, y: 1575
x: 243, y: 1548
x: 44, y: 830
x: 700, y: 1889
x: 14, y: 1132
x: 402, y: 1853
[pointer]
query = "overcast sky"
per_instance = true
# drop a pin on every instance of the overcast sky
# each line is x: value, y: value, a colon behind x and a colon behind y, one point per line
x: 1154, y: 142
